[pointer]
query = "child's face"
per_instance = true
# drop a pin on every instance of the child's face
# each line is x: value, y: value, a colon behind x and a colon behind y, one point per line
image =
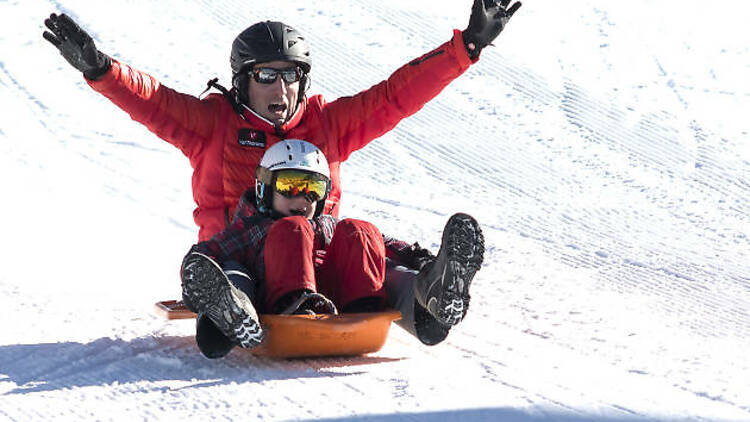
x: 299, y: 205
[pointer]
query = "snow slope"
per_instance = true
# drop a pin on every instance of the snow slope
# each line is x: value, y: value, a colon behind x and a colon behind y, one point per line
x: 603, y: 146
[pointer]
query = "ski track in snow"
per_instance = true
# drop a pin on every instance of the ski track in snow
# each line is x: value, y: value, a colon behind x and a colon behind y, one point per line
x: 608, y: 167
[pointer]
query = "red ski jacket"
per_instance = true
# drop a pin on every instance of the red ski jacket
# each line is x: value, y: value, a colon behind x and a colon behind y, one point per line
x: 225, y: 147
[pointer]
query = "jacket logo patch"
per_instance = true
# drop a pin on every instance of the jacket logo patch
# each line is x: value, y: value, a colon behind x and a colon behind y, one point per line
x: 251, y: 138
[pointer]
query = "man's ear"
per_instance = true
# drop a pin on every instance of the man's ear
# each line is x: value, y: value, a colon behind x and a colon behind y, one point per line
x: 240, y: 82
x: 304, y: 84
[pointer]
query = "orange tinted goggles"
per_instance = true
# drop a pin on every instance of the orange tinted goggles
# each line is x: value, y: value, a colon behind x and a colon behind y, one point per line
x: 293, y: 183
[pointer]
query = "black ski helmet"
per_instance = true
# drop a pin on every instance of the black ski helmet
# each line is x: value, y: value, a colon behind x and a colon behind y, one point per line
x: 266, y: 42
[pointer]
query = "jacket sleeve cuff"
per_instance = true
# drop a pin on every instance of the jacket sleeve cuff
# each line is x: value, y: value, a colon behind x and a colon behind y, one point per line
x: 107, y: 79
x: 460, y: 46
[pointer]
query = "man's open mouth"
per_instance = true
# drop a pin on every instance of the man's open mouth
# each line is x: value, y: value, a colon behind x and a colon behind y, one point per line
x: 277, y: 108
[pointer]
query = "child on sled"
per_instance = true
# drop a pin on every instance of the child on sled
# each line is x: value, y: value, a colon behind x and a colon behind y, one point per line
x: 282, y: 255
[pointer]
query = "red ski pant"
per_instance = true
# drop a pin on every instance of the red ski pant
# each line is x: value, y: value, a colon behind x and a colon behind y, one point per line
x: 353, y: 266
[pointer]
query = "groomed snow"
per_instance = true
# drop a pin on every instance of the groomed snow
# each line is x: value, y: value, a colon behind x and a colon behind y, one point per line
x: 603, y: 146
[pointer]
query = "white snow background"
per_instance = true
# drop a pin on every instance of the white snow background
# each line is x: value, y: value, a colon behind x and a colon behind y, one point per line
x: 602, y: 145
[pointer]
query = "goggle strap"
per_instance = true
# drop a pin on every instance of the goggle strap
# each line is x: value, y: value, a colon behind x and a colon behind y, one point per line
x: 264, y: 175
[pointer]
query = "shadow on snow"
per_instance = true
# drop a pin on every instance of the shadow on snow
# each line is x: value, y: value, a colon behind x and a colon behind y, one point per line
x: 493, y: 414
x: 105, y: 361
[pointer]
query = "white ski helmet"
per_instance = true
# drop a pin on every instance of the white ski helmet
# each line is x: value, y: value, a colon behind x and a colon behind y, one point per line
x: 294, y: 154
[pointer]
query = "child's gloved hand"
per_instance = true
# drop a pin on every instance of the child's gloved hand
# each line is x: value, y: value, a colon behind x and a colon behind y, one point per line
x: 416, y: 257
x: 487, y: 21
x: 76, y: 46
x: 310, y: 303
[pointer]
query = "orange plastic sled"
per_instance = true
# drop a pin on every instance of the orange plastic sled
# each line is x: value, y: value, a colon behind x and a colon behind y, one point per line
x: 288, y: 336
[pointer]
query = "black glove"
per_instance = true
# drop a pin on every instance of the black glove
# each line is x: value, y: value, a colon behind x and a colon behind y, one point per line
x: 487, y: 21
x: 416, y: 257
x: 76, y: 46
x: 304, y: 302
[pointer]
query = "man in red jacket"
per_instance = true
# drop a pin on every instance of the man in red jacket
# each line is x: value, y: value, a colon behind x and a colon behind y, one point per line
x: 225, y: 135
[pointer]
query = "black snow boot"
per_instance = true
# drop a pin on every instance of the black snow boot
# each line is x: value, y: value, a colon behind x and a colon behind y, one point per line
x: 212, y: 343
x: 208, y: 292
x: 442, y: 286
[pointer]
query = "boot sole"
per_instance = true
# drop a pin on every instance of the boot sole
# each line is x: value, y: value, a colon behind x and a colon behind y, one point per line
x: 464, y: 245
x: 211, y: 293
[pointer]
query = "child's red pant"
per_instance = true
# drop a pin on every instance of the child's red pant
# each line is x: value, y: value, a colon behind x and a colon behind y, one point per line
x: 353, y: 266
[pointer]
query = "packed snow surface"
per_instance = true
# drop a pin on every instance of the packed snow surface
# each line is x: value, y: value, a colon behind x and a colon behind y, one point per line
x: 603, y: 146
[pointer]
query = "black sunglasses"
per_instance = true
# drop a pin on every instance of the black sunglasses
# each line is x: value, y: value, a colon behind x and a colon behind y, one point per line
x: 268, y: 75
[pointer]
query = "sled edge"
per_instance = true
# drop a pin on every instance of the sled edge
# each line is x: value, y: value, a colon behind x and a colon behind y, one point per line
x: 299, y: 336
x: 173, y: 309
